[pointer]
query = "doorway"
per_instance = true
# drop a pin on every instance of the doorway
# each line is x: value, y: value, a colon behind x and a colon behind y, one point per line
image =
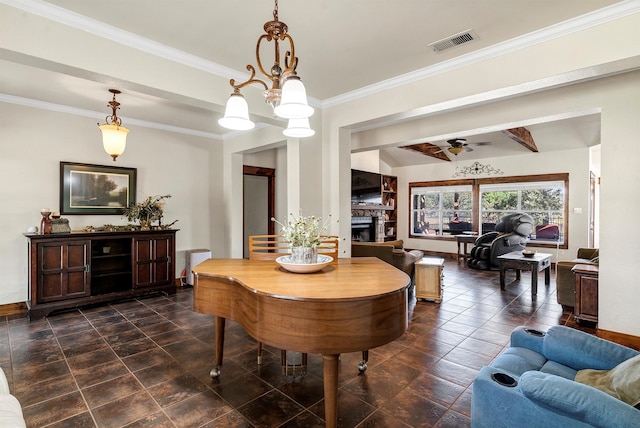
x: 258, y: 203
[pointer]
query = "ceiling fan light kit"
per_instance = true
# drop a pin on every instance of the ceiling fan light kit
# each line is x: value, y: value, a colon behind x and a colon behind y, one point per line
x: 287, y: 95
x: 456, y: 150
x: 459, y: 145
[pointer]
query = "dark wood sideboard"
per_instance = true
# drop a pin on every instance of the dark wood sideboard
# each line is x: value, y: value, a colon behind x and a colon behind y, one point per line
x: 83, y: 268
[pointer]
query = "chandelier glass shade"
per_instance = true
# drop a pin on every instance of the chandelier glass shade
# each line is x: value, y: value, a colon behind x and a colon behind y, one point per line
x: 114, y: 139
x: 287, y: 95
x: 299, y: 128
x: 114, y: 135
x: 236, y: 114
x: 293, y: 104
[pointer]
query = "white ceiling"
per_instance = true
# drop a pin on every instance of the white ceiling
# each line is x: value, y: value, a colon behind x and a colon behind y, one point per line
x: 343, y: 47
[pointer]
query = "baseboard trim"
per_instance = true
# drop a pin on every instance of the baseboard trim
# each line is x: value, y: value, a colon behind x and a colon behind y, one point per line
x: 13, y: 310
x: 621, y: 338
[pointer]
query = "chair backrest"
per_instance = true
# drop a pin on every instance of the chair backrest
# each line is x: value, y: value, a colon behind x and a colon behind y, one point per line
x: 329, y: 247
x: 270, y: 247
x: 267, y: 247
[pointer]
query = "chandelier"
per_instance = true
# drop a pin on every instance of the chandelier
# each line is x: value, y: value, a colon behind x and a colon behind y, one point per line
x: 114, y: 135
x: 287, y: 95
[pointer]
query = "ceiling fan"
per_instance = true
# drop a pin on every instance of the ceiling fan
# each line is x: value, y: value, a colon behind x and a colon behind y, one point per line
x: 459, y: 145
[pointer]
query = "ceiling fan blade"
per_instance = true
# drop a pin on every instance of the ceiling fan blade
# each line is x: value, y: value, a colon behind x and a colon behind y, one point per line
x: 467, y: 148
x: 481, y: 143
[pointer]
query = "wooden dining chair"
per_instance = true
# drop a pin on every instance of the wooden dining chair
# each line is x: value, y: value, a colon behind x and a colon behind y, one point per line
x: 270, y: 247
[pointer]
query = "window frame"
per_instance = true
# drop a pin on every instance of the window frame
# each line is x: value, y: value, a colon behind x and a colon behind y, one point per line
x: 466, y: 188
x: 476, y: 207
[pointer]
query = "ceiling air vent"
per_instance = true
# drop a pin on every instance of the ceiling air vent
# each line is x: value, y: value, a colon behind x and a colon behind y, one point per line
x: 455, y: 40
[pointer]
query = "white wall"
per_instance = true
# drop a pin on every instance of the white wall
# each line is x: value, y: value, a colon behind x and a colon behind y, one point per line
x: 32, y: 144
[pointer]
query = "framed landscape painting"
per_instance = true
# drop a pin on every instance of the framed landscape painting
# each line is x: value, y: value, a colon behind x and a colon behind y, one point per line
x: 96, y: 189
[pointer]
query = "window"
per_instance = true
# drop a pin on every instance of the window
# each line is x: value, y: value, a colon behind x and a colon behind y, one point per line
x: 543, y: 201
x: 444, y: 208
x: 441, y: 210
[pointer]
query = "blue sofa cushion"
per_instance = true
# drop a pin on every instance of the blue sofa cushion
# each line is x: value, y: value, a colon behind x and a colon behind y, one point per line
x: 621, y: 382
x: 551, y: 367
x: 516, y: 361
x: 577, y: 401
x: 561, y: 344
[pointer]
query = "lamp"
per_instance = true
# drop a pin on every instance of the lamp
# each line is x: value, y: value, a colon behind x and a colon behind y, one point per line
x: 456, y: 150
x: 114, y: 135
x: 299, y: 128
x: 287, y: 95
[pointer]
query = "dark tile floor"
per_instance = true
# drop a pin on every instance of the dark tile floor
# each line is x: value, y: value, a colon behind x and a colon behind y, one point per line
x: 146, y: 362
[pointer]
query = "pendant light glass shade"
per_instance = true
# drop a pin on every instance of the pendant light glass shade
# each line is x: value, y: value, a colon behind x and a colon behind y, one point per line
x: 299, y: 128
x: 236, y: 114
x: 293, y: 104
x: 114, y: 139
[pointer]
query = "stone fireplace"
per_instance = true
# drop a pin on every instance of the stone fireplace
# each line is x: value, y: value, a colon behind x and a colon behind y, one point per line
x: 367, y: 222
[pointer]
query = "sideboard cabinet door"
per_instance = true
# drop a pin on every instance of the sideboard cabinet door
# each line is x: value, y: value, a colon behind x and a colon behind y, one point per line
x: 153, y: 258
x: 62, y: 270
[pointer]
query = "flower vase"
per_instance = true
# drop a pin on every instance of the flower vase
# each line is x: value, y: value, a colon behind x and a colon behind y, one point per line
x: 304, y: 255
x: 145, y: 225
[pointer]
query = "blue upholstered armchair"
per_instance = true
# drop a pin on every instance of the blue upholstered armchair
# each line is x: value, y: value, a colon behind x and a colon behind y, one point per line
x: 531, y: 384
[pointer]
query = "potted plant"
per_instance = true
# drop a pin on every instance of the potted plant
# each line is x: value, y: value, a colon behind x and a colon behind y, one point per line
x: 303, y: 235
x: 146, y: 212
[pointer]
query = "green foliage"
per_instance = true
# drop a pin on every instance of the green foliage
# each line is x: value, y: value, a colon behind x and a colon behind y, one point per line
x: 302, y: 231
x: 151, y: 209
x: 542, y: 199
x: 500, y: 200
x: 457, y: 200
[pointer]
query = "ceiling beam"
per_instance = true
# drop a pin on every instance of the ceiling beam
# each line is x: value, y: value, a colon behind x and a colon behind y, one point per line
x: 429, y: 150
x: 522, y: 136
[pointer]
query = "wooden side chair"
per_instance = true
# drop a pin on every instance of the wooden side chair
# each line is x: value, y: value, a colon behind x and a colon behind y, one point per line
x: 270, y: 247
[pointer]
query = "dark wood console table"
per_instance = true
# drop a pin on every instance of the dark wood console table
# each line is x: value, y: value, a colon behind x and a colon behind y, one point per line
x: 463, y: 240
x: 69, y: 270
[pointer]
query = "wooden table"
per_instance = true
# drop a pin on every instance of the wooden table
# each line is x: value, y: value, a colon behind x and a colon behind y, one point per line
x: 537, y: 263
x: 354, y: 305
x: 464, y: 239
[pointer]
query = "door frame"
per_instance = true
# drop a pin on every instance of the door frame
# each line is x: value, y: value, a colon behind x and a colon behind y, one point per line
x: 270, y: 173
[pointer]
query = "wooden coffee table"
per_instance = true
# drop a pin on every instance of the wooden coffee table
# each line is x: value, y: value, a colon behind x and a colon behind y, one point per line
x: 537, y: 263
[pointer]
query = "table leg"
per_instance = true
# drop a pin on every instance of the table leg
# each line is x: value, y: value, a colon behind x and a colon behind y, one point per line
x: 330, y: 375
x: 459, y: 253
x: 502, y: 275
x: 215, y: 371
x: 547, y: 275
x: 517, y: 273
x: 534, y: 281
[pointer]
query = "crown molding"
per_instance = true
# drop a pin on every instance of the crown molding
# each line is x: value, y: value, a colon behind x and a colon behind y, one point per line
x: 615, y: 11
x: 115, y: 34
x: 67, y: 17
x: 59, y: 108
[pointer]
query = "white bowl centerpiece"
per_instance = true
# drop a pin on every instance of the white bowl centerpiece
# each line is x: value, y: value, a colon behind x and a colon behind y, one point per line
x: 303, y: 235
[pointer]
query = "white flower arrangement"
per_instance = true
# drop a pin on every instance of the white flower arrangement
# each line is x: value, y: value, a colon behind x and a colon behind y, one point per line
x: 303, y: 231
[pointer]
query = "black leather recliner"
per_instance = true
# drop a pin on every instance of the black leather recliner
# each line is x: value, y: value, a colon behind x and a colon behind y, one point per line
x: 510, y: 235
